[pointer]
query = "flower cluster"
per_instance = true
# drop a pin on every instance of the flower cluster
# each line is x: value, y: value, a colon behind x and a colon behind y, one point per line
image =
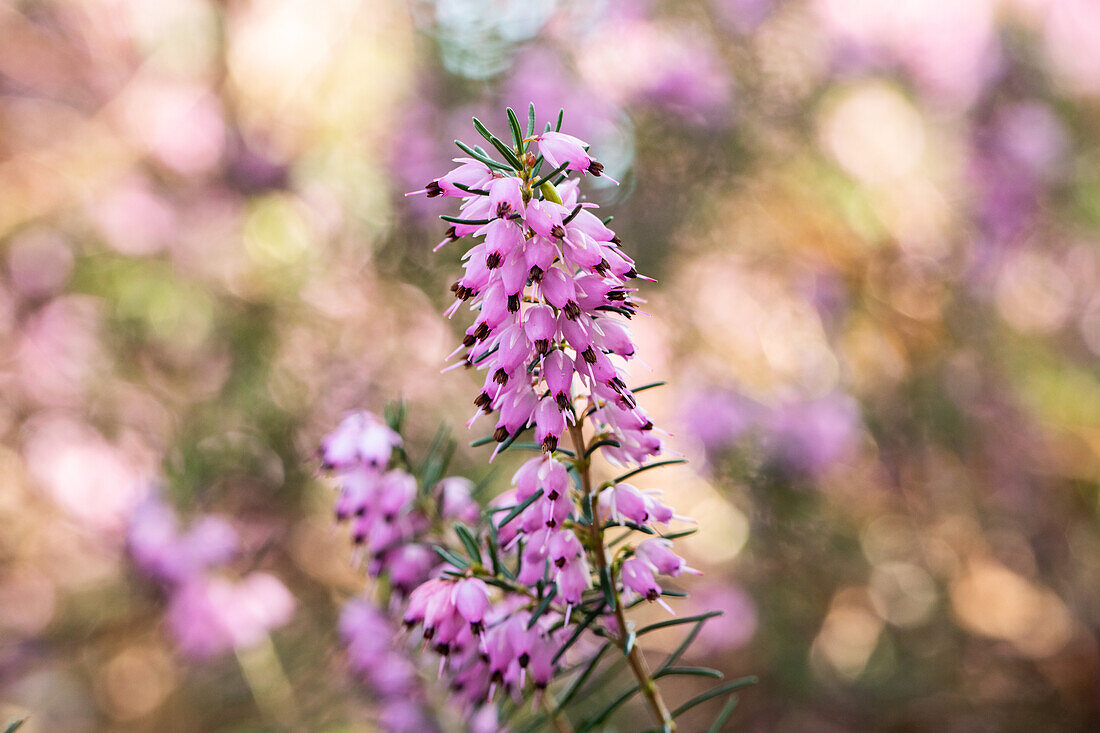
x: 208, y: 613
x: 387, y: 670
x: 484, y: 644
x: 550, y: 286
x: 393, y: 521
x: 379, y: 500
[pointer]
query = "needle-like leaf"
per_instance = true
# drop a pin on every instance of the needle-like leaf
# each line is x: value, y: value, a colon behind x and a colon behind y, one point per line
x: 504, y: 150
x: 658, y: 464
x: 482, y: 157
x: 713, y: 693
x: 518, y: 508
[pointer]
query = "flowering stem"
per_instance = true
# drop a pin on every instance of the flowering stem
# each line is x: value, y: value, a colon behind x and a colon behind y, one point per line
x: 634, y: 657
x: 268, y: 683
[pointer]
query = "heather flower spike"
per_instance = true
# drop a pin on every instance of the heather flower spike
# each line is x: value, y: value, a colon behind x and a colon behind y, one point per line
x: 508, y: 596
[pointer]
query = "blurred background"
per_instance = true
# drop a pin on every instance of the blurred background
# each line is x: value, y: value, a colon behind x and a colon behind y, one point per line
x: 876, y: 233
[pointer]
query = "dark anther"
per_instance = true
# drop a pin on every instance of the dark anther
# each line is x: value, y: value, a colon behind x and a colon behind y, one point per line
x: 652, y: 594
x: 500, y: 377
x: 563, y: 400
x: 513, y: 303
x: 549, y: 443
x: 572, y: 311
x: 560, y: 562
x: 630, y: 274
x: 524, y: 659
x: 601, y: 267
x: 542, y: 346
x: 469, y: 340
x: 483, y: 401
x: 493, y: 260
x: 500, y: 434
x: 503, y: 208
x: 535, y: 274
x: 648, y: 425
x: 557, y: 231
x: 434, y: 189
x: 595, y: 168
x: 589, y: 355
x: 482, y: 332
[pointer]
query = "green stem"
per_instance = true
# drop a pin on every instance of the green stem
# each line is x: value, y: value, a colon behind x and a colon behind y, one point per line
x: 635, y: 659
x: 268, y: 683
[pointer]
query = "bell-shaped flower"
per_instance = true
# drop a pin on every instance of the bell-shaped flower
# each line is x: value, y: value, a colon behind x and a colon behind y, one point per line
x: 657, y: 553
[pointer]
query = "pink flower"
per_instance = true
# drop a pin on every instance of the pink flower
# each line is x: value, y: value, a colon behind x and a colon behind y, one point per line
x: 211, y: 615
x: 657, y: 554
x: 470, y: 174
x: 164, y: 553
x: 360, y: 438
x: 559, y: 148
x: 624, y: 502
x: 471, y: 599
x: 638, y: 577
x: 455, y: 500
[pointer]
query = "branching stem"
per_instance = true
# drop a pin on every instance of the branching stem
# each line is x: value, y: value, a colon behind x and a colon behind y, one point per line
x: 637, y: 662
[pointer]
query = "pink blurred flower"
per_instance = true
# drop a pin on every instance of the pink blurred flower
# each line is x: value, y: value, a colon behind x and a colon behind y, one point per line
x: 94, y: 481
x: 809, y: 437
x: 949, y: 47
x: 133, y: 219
x: 738, y: 622
x: 180, y: 124
x: 719, y: 417
x: 642, y: 62
x: 40, y: 262
x: 164, y: 553
x: 59, y: 350
x: 1071, y: 35
x: 211, y: 615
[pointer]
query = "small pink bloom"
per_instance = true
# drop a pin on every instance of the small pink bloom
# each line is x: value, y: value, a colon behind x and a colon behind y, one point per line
x: 505, y: 196
x: 544, y: 218
x: 638, y: 577
x: 623, y: 501
x: 658, y: 554
x: 471, y: 600
x: 549, y: 423
x: 360, y: 437
x: 558, y: 288
x: 455, y: 500
x: 540, y: 326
